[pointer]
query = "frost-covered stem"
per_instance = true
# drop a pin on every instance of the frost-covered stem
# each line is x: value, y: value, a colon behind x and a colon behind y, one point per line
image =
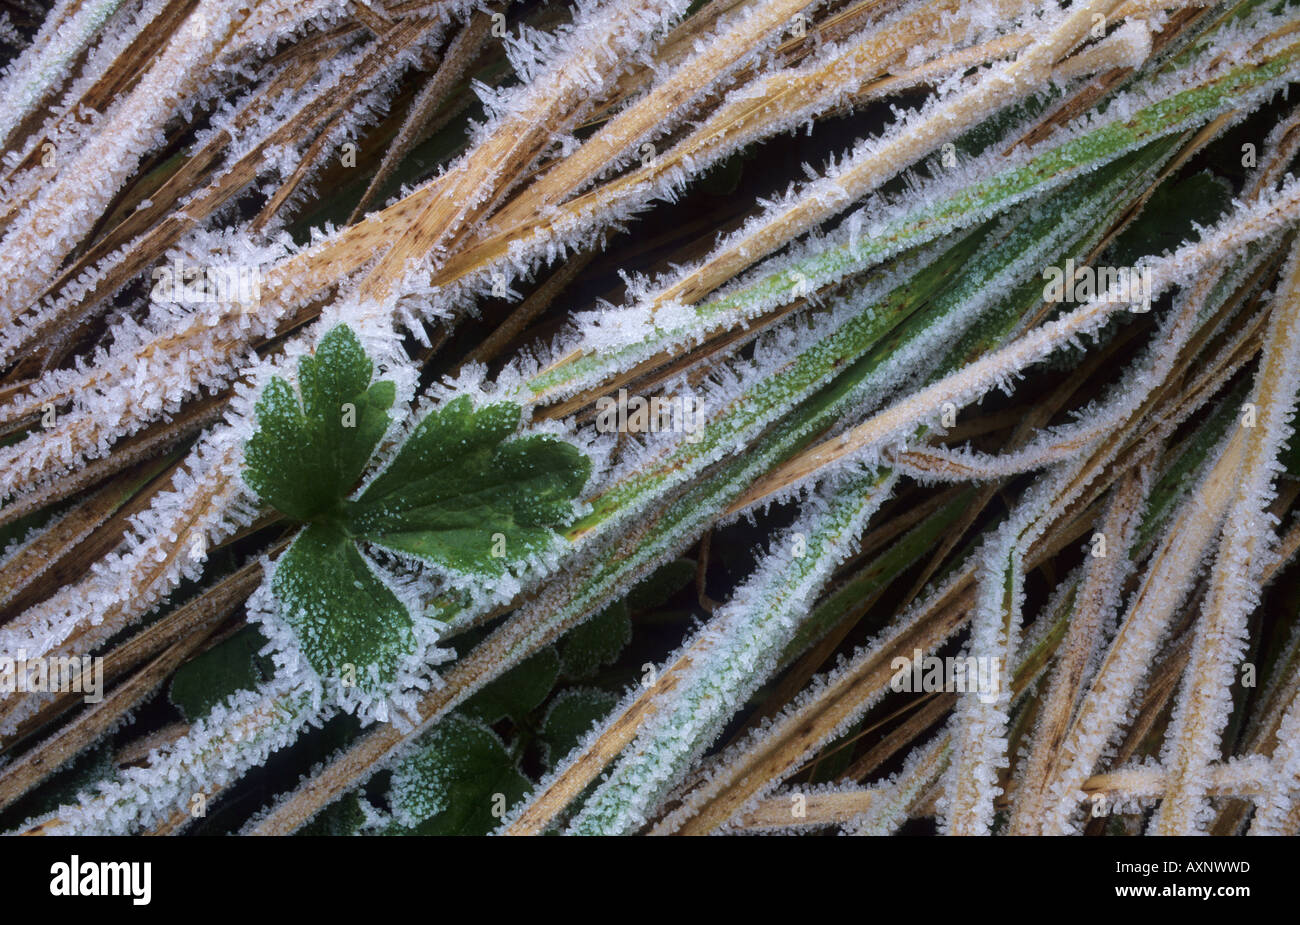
x: 63, y: 36
x: 1173, y: 569
x: 1275, y: 810
x: 794, y: 808
x: 805, y: 733
x: 735, y: 43
x: 28, y: 559
x: 458, y: 57
x: 271, y: 20
x: 737, y: 651
x: 1206, y: 700
x: 93, y: 723
x: 1000, y: 86
x: 971, y: 783
x: 1097, y: 599
x: 586, y: 762
x: 980, y: 734
x: 1126, y: 47
x: 895, y: 799
x: 88, y: 281
x: 381, y: 60
x: 1237, y: 777
x: 895, y: 424
x: 552, y: 102
x: 233, y: 738
x: 1146, y: 378
x: 39, y: 238
x: 942, y: 464
x: 207, y: 502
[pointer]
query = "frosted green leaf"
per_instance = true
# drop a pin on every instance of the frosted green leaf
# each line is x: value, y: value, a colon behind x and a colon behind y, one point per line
x: 462, y: 496
x: 517, y: 692
x: 596, y: 642
x: 456, y: 783
x: 348, y: 623
x: 570, y: 717
x: 231, y: 665
x: 305, y: 457
x: 461, y: 492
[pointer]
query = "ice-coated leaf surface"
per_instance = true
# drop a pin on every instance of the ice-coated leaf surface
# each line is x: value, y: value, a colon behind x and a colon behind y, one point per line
x: 231, y: 665
x: 460, y: 775
x: 597, y: 642
x: 461, y: 495
x: 461, y: 492
x: 305, y: 456
x: 517, y: 692
x: 342, y: 613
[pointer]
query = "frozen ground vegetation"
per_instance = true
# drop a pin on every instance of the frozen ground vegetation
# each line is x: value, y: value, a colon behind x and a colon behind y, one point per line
x: 649, y: 416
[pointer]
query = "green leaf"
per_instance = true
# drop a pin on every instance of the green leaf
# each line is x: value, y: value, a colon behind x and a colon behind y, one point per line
x: 231, y: 665
x: 517, y: 692
x: 461, y: 496
x: 79, y: 775
x: 596, y: 642
x: 305, y: 457
x: 1170, y: 217
x: 570, y: 717
x: 341, y: 818
x: 451, y: 785
x: 662, y: 585
x: 462, y: 492
x: 341, y: 612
